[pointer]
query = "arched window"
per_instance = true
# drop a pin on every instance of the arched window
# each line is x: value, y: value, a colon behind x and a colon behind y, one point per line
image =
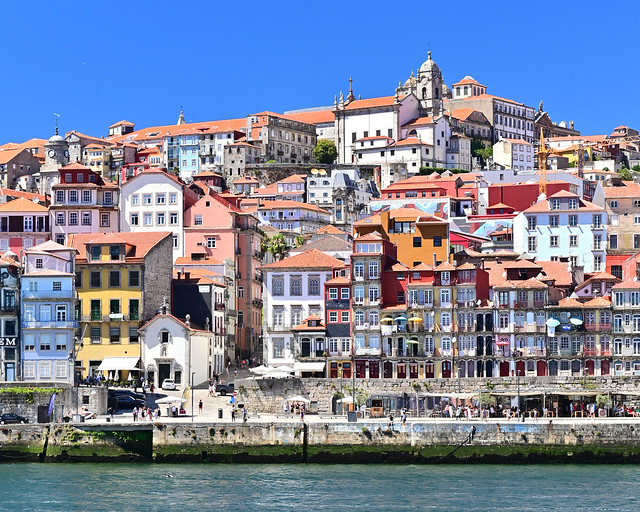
x: 424, y: 92
x: 466, y: 90
x: 458, y: 91
x: 436, y: 92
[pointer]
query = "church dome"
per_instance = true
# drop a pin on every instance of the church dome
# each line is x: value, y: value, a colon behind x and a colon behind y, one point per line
x: 429, y: 66
x: 56, y: 139
x: 446, y: 92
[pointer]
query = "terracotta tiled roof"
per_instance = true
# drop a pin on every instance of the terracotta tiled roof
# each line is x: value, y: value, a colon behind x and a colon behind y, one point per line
x: 311, y: 259
x: 625, y: 285
x: 383, y: 101
x: 445, y: 265
x: 462, y: 113
x: 630, y: 189
x: 375, y: 236
x: 327, y: 243
x: 141, y: 242
x: 330, y: 229
x: 556, y: 270
x: 18, y: 193
x: 420, y: 121
x: 399, y: 267
x: 294, y: 178
x: 569, y: 302
x: 207, y: 174
x: 22, y: 205
x: 381, y: 137
x: 313, y: 117
x: 521, y: 264
x: 468, y: 80
x: 422, y: 267
x: 410, y: 141
x: 598, y: 302
x: 373, y: 220
x: 491, y: 96
x: 247, y: 179
x: 467, y: 266
x: 125, y: 123
x: 530, y: 283
x: 339, y: 280
x: 6, y: 155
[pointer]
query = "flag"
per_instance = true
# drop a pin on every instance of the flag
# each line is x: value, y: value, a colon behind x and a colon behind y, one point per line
x: 52, y: 401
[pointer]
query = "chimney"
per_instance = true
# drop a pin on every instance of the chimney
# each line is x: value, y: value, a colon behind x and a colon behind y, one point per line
x: 187, y: 275
x: 577, y: 275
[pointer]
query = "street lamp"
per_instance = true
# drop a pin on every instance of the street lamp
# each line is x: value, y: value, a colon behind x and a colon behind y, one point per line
x: 192, y: 377
x: 72, y: 357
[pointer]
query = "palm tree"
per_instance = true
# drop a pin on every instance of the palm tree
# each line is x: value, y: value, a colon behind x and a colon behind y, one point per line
x: 277, y: 245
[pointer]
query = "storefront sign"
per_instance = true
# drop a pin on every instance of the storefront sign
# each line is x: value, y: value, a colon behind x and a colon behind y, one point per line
x: 7, y: 342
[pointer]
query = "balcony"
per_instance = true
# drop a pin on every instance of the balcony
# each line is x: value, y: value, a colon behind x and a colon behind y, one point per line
x: 9, y: 308
x: 590, y: 327
x: 37, y: 324
x: 279, y: 327
x: 590, y: 352
x: 538, y: 304
x: 605, y: 326
x: 48, y: 294
x: 521, y: 304
x: 219, y: 306
x: 257, y: 302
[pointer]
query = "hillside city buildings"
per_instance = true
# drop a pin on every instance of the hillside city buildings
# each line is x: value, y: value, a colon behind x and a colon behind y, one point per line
x: 175, y: 251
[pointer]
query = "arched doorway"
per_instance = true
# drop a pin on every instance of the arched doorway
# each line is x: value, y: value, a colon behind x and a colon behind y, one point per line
x: 591, y: 367
x: 605, y: 367
x: 504, y: 368
x: 541, y: 368
x: 387, y: 370
x: 446, y: 369
x: 520, y: 368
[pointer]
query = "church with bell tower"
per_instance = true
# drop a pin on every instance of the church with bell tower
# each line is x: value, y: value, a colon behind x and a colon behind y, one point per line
x: 56, y: 155
x: 429, y: 87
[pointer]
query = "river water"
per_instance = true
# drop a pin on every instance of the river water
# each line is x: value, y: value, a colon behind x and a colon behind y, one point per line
x: 388, y: 488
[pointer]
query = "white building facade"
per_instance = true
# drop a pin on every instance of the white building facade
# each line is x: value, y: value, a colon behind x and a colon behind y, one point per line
x: 293, y: 291
x: 563, y: 225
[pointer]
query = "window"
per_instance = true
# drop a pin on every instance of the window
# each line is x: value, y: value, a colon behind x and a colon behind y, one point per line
x: 175, y: 242
x: 173, y: 219
x: 60, y: 219
x: 114, y: 279
x: 173, y: 198
x: 554, y: 221
x: 333, y: 317
x: 73, y: 219
x: 114, y: 252
x: 597, y: 221
x: 555, y: 204
x: 373, y: 270
x: 358, y: 294
x: 134, y: 309
x: 314, y: 286
x: 29, y: 342
x: 597, y: 242
x: 114, y: 334
x: 553, y: 241
x: 636, y: 241
x: 45, y: 342
x: 134, y: 278
x: 61, y: 342
x: 295, y: 287
x: 95, y: 280
x: 358, y: 269
x: 160, y: 198
x: 417, y: 241
x: 613, y: 241
x: 344, y: 293
x: 532, y: 244
x: 114, y: 306
x: 278, y: 347
x: 374, y: 294
x: 445, y: 297
x: 344, y: 317
x: 573, y: 204
x: 160, y: 219
x: 146, y: 199
x: 277, y: 286
x: 96, y: 310
x: 59, y: 196
x: 61, y: 313
x: 105, y: 220
x: 148, y: 219
x: 613, y: 204
x: 197, y: 220
x: 134, y: 337
x: 241, y: 292
x: 95, y: 335
x: 45, y: 369
x: 333, y: 293
x: 211, y: 242
x: 86, y: 196
x: 57, y: 286
x: 73, y: 196
x: 134, y: 200
x: 573, y: 241
x: 86, y: 218
x: 531, y: 223
x: 134, y: 219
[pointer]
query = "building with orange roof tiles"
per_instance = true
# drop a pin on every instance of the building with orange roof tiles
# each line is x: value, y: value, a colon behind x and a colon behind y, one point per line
x: 515, y: 154
x: 216, y: 228
x: 293, y: 216
x: 122, y: 280
x: 563, y: 225
x: 16, y: 164
x: 23, y: 224
x: 83, y: 202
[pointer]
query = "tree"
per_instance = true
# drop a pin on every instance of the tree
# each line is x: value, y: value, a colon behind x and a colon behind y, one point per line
x: 299, y: 241
x: 277, y: 246
x: 636, y: 168
x: 479, y: 150
x: 325, y: 151
x: 625, y: 174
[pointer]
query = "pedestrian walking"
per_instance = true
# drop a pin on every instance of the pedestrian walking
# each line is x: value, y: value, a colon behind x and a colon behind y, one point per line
x: 390, y: 420
x: 233, y: 414
x: 302, y: 414
x: 244, y: 415
x: 200, y: 406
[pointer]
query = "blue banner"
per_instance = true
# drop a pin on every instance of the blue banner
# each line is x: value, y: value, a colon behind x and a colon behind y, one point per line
x: 52, y: 401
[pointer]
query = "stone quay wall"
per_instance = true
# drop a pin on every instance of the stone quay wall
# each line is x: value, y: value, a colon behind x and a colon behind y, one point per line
x: 339, y: 442
x: 269, y: 395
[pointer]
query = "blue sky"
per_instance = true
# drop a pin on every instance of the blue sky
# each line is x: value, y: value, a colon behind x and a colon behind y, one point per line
x: 98, y: 62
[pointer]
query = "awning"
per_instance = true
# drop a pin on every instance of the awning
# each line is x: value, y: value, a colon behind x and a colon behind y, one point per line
x: 299, y: 366
x: 119, y: 363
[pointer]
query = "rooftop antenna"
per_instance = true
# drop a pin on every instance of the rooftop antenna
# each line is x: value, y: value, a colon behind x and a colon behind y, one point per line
x: 57, y: 117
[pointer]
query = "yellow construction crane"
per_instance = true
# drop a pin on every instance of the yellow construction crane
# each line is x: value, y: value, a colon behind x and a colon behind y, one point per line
x: 543, y: 151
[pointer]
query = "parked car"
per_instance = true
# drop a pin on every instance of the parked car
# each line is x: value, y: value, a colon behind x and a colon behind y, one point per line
x: 225, y: 389
x: 168, y: 384
x: 128, y: 402
x: 11, y: 417
x: 125, y: 392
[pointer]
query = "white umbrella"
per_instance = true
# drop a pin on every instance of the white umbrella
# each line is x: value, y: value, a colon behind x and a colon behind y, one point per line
x: 277, y: 375
x: 110, y: 375
x: 283, y: 368
x: 171, y: 400
x: 116, y: 375
x: 130, y: 377
x: 298, y: 398
x: 260, y: 370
